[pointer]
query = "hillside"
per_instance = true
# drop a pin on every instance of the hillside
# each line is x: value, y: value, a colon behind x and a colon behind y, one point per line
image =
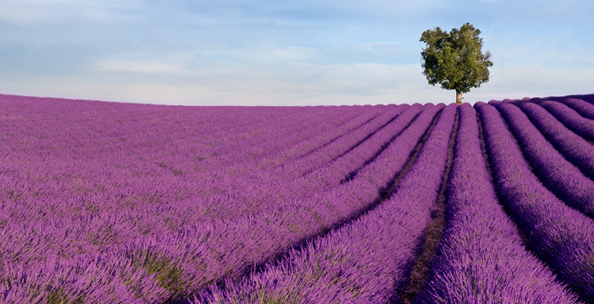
x: 106, y: 202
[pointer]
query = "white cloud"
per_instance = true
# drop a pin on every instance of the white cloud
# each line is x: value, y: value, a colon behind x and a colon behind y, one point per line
x: 299, y: 84
x: 139, y: 67
x: 271, y: 52
x: 291, y: 84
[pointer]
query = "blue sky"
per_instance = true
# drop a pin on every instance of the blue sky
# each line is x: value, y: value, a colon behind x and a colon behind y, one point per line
x: 265, y: 52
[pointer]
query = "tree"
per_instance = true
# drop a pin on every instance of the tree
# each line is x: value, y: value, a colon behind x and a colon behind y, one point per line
x: 455, y: 60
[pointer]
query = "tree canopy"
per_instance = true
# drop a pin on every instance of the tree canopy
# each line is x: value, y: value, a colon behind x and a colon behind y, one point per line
x: 455, y: 59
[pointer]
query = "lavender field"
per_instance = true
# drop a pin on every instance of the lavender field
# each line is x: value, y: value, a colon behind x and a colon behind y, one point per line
x: 105, y: 202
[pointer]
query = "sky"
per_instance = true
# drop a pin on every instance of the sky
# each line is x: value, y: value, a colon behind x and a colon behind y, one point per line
x: 285, y: 53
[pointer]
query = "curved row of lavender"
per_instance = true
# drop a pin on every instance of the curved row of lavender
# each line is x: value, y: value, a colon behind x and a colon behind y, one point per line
x: 558, y: 174
x: 583, y: 107
x: 583, y: 104
x: 333, y: 163
x: 253, y: 169
x: 123, y: 203
x: 219, y: 253
x: 145, y: 259
x: 145, y: 138
x: 345, y: 167
x: 337, y: 148
x: 481, y: 257
x: 242, y: 183
x: 362, y: 261
x: 243, y: 188
x: 151, y: 155
x: 562, y: 237
x: 79, y: 178
x: 573, y: 147
x: 571, y: 118
x: 585, y: 97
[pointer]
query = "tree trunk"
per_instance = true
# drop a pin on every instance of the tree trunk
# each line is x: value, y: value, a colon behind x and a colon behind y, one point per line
x: 458, y: 98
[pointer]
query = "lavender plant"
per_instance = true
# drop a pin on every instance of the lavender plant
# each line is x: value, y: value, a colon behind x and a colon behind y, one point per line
x: 570, y: 118
x: 555, y: 172
x: 481, y: 257
x: 362, y: 261
x: 584, y: 108
x: 561, y: 237
x: 573, y: 147
x: 125, y: 203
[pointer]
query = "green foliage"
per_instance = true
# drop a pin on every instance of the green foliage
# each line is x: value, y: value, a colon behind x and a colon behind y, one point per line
x: 58, y: 296
x: 168, y: 274
x: 454, y: 59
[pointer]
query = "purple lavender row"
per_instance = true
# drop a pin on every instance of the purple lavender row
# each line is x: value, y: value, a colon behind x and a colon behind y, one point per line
x: 135, y: 247
x: 481, y: 258
x: 60, y: 150
x: 251, y: 197
x: 585, y: 97
x: 327, y: 129
x: 560, y: 176
x: 363, y: 261
x: 254, y: 170
x: 332, y: 173
x: 257, y: 144
x: 252, y: 173
x: 338, y: 147
x: 125, y: 194
x: 327, y: 176
x: 128, y: 116
x: 208, y: 119
x: 570, y: 118
x: 251, y: 178
x: 47, y: 227
x: 262, y: 140
x: 321, y: 139
x: 585, y: 108
x: 574, y: 113
x: 344, y: 167
x: 560, y: 236
x: 230, y: 247
x: 588, y: 97
x: 247, y: 187
x: 573, y: 147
